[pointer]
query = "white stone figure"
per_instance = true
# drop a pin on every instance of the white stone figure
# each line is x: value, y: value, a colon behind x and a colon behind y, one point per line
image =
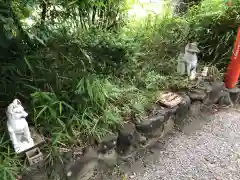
x: 181, y: 67
x: 191, y: 59
x: 18, y: 127
x: 204, y: 72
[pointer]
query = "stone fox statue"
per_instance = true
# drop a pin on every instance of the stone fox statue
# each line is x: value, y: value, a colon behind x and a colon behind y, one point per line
x: 188, y: 61
x: 18, y: 127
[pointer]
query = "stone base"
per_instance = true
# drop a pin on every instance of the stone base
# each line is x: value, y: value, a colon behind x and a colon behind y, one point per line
x: 34, y: 156
x: 83, y: 168
x: 38, y: 139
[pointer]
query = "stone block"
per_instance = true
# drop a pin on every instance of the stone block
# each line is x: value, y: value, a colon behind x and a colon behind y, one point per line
x: 84, y: 167
x: 225, y: 99
x: 183, y: 109
x: 82, y: 171
x: 158, y: 133
x: 143, y: 140
x: 197, y: 94
x: 107, y: 143
x: 164, y: 111
x: 206, y: 86
x: 234, y: 94
x: 35, y: 174
x: 195, y: 109
x: 107, y: 150
x: 215, y: 93
x: 128, y: 138
x: 152, y: 126
x: 168, y: 125
x: 108, y: 158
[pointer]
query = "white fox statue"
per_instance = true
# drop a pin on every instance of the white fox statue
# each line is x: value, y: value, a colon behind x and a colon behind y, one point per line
x: 188, y: 61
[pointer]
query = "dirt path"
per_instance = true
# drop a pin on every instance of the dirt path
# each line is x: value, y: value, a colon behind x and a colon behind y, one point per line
x: 206, y: 149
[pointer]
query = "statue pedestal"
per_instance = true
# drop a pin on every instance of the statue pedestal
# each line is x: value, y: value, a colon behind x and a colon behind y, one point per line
x: 38, y: 140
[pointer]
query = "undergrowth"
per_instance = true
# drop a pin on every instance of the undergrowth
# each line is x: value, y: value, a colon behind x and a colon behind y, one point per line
x: 79, y: 86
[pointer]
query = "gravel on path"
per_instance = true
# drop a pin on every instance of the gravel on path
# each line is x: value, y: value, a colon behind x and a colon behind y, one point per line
x: 210, y: 153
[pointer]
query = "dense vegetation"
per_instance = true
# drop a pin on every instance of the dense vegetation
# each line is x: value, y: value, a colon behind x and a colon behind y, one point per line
x: 84, y: 67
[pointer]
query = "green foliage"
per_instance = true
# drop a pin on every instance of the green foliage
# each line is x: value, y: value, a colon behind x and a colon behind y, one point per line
x: 9, y: 162
x: 83, y: 68
x: 88, y: 113
x: 7, y: 27
x: 214, y: 26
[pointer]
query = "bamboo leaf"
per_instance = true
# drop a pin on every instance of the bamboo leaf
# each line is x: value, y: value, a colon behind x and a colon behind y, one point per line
x: 67, y: 105
x: 28, y: 64
x: 60, y: 108
x: 61, y: 123
x: 40, y: 112
x: 52, y: 112
x: 72, y: 3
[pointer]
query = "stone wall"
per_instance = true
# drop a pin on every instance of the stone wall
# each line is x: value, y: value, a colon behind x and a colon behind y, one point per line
x: 134, y: 136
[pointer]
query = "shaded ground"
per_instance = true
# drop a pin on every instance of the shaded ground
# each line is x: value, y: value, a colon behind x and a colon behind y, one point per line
x: 206, y: 149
